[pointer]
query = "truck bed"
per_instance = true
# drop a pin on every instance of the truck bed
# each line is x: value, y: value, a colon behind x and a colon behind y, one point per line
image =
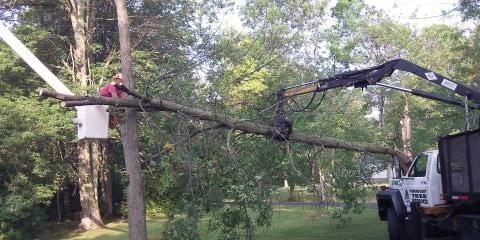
x: 460, y: 166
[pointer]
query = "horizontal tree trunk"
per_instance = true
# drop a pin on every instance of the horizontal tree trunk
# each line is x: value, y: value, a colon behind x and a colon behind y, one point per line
x: 224, y: 120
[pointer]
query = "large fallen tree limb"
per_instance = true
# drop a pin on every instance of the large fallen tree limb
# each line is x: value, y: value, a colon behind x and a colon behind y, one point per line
x: 224, y: 120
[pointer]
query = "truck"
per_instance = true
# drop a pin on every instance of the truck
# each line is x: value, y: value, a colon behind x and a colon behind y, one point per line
x: 438, y: 197
x: 434, y: 194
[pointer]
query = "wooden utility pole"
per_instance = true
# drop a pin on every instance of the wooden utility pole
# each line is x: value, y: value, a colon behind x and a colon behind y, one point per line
x: 137, y: 229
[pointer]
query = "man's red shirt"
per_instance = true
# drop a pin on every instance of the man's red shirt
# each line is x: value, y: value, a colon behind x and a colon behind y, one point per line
x: 109, y: 89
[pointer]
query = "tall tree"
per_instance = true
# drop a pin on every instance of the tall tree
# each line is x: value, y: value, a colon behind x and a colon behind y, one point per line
x: 49, y: 15
x: 82, y: 16
x: 88, y: 152
x: 383, y: 39
x: 470, y: 9
x: 137, y: 228
x: 406, y: 129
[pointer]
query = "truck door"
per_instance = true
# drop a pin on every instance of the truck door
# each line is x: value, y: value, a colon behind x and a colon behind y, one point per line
x: 415, y: 182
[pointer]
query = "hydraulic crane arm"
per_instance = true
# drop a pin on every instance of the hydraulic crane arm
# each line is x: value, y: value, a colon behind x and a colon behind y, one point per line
x: 370, y: 76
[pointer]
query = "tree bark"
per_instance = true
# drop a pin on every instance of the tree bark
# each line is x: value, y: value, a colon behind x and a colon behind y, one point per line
x: 59, y: 206
x: 107, y: 193
x: 291, y: 193
x: 88, y: 181
x: 381, y: 125
x: 77, y: 11
x: 105, y: 181
x: 226, y: 122
x: 406, y: 129
x: 137, y: 228
x: 333, y: 162
x: 66, y: 201
x: 321, y: 186
x: 82, y: 16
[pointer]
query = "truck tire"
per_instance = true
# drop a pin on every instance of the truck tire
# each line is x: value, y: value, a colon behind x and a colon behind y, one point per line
x: 395, y: 225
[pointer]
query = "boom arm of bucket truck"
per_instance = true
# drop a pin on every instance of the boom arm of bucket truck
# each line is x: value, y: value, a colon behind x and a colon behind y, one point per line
x: 92, y: 121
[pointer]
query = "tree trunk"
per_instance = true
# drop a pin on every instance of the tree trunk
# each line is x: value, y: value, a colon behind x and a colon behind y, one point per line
x: 224, y: 121
x: 406, y: 129
x: 382, y: 125
x: 291, y: 193
x: 389, y: 172
x: 66, y: 202
x: 321, y: 185
x: 107, y: 193
x: 89, y: 30
x: 59, y: 205
x: 88, y: 181
x: 316, y: 188
x: 381, y: 109
x: 333, y: 162
x: 78, y: 11
x: 105, y: 181
x: 82, y: 15
x: 137, y: 229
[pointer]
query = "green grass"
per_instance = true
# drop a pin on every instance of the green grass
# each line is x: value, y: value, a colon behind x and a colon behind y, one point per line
x: 308, y: 223
x: 303, y: 195
x: 288, y: 223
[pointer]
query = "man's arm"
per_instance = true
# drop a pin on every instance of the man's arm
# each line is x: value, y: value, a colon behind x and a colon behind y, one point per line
x: 115, y: 91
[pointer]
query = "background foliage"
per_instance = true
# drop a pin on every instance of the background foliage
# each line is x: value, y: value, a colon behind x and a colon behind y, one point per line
x: 182, y: 53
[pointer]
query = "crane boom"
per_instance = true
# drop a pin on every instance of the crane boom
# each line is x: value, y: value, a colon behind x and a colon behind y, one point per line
x: 371, y: 76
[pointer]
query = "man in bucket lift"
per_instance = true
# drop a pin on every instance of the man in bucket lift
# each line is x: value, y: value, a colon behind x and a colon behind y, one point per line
x: 113, y: 89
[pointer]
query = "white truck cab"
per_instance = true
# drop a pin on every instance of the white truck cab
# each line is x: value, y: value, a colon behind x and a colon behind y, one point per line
x: 422, y: 183
x: 438, y: 196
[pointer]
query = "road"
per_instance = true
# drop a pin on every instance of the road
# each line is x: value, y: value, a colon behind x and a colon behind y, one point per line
x: 321, y: 204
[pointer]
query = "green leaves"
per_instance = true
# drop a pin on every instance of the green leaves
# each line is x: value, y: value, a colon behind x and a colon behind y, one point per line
x: 250, y: 82
x: 470, y: 9
x: 20, y: 213
x: 29, y: 160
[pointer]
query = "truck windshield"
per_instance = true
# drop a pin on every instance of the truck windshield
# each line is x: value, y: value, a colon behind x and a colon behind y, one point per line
x: 420, y: 166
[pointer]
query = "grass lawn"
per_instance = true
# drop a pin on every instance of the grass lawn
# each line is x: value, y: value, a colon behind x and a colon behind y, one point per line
x: 293, y: 222
x: 303, y: 195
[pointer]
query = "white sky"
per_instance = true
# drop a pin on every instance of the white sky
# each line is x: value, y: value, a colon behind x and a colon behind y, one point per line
x: 418, y: 14
x: 421, y: 13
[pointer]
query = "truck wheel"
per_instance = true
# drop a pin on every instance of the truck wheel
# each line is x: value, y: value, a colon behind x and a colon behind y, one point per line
x: 395, y: 225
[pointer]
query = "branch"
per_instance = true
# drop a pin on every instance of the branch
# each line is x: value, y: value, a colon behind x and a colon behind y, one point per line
x: 224, y: 120
x: 191, y: 135
x: 87, y: 103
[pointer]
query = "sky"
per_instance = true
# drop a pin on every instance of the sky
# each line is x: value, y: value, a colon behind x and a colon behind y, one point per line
x: 421, y: 13
x: 418, y: 14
